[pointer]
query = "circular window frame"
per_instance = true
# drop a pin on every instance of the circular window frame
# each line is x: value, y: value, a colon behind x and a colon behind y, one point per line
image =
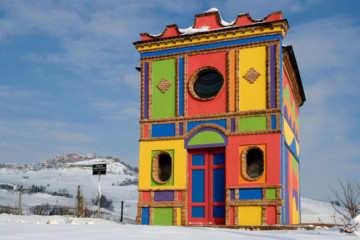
x: 155, y: 167
x: 244, y: 163
x: 195, y: 76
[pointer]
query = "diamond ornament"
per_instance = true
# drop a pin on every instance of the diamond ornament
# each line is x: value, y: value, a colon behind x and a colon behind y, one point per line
x: 251, y: 75
x: 163, y: 85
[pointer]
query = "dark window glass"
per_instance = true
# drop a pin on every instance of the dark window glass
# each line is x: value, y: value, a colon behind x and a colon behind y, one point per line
x: 208, y: 84
x: 164, y: 167
x: 254, y: 163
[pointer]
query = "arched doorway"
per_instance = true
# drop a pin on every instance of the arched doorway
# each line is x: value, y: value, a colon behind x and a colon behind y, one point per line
x: 206, y: 176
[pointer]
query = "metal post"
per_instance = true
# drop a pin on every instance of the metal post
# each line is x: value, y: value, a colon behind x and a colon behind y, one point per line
x: 78, y: 201
x: 99, y: 196
x: 20, y: 207
x: 122, y: 211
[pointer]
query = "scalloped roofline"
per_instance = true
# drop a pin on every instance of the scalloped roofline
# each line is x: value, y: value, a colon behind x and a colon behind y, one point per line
x: 216, y: 22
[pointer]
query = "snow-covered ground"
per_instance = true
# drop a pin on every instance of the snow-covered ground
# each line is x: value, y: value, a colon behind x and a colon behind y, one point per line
x: 59, y: 228
x: 68, y: 178
x: 13, y: 227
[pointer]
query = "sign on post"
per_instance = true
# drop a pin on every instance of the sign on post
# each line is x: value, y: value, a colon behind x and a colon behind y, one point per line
x: 99, y: 169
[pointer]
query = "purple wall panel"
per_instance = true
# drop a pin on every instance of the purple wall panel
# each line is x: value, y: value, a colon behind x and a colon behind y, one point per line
x: 233, y: 125
x: 232, y: 194
x: 181, y: 129
x: 272, y: 76
x: 146, y: 89
x: 164, y: 196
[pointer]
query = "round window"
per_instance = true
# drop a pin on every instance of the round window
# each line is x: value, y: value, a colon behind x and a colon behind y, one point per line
x: 208, y: 84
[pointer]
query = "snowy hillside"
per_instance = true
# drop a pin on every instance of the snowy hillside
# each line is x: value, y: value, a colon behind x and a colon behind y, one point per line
x: 66, y: 179
x: 315, y: 211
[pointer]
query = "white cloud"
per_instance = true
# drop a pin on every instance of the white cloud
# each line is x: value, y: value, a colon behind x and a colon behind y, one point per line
x: 258, y: 9
x: 37, y: 139
x: 69, y: 136
x: 116, y: 110
x: 7, y: 92
x: 326, y: 44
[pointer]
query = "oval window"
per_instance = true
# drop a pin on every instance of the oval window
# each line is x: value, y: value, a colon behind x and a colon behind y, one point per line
x: 208, y: 84
x: 162, y: 167
x: 254, y: 163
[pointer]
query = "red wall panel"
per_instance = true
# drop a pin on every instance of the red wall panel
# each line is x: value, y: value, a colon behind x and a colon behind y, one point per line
x: 273, y: 158
x: 271, y: 215
x: 218, y: 104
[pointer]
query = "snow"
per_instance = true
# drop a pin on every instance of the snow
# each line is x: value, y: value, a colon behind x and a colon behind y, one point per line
x: 355, y: 223
x: 112, y: 167
x: 191, y: 30
x: 36, y: 228
x: 353, y: 226
x: 13, y: 227
x: 315, y: 211
x: 69, y: 178
x: 212, y: 10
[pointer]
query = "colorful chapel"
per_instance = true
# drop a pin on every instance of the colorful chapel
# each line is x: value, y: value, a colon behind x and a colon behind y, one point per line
x: 219, y: 127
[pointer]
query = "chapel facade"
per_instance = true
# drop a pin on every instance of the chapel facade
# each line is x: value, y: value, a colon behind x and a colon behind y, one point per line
x: 219, y: 128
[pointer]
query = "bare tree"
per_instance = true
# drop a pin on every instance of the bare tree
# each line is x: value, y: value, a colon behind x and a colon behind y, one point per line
x: 347, y: 200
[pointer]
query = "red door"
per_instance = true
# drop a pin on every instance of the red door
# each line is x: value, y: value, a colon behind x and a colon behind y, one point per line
x: 206, y: 187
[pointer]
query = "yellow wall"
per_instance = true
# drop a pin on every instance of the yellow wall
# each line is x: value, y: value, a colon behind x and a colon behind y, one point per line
x: 295, y: 213
x: 180, y: 160
x: 252, y: 95
x: 290, y: 137
x: 250, y: 215
x: 178, y: 216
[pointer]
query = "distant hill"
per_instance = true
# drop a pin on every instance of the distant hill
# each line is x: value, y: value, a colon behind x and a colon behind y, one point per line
x: 74, y: 160
x: 55, y: 182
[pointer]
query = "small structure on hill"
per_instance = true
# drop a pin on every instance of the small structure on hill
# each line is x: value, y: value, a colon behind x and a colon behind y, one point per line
x: 219, y: 128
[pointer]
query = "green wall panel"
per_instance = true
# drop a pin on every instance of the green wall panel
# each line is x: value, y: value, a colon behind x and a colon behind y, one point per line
x: 206, y: 137
x: 163, y: 103
x: 163, y: 216
x: 271, y: 193
x: 252, y: 123
x: 171, y: 181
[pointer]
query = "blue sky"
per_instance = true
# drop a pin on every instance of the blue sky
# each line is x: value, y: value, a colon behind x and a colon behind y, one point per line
x: 68, y: 81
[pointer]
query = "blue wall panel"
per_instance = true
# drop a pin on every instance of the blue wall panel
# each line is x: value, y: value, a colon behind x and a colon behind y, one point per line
x: 198, y: 186
x: 218, y: 211
x: 163, y: 130
x: 198, y: 212
x: 198, y: 160
x: 250, y: 194
x: 273, y: 122
x: 218, y: 159
x: 145, y: 214
x: 221, y: 122
x: 219, y: 185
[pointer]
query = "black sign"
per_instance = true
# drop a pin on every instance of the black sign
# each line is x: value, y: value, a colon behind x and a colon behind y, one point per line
x: 99, y: 169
